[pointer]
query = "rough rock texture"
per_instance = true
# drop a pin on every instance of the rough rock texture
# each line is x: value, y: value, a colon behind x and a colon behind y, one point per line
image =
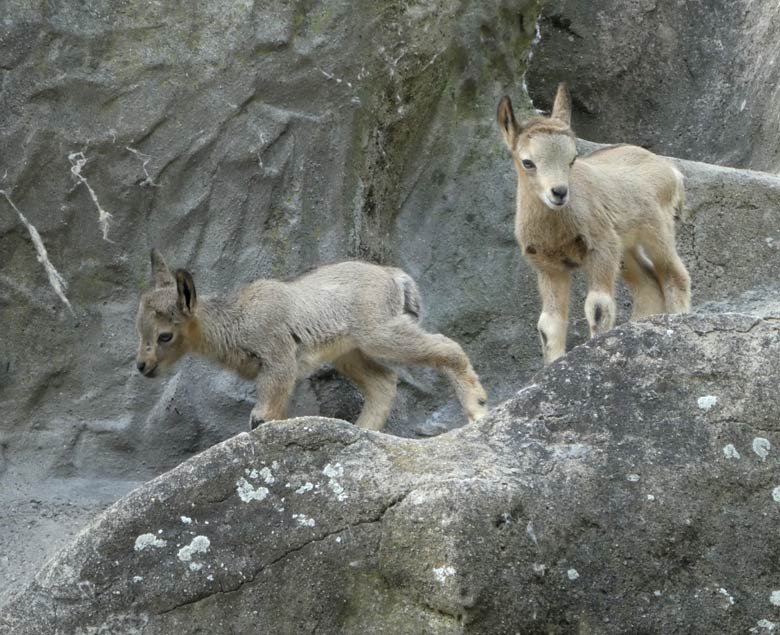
x: 248, y: 139
x: 633, y: 487
x: 272, y: 137
x: 244, y: 139
x: 698, y: 79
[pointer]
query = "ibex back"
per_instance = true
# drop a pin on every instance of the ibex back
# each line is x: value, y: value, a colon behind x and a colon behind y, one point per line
x: 609, y: 212
x: 351, y: 314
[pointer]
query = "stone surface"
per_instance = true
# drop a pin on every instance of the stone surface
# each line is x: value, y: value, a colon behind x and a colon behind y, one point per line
x: 260, y: 139
x: 630, y: 488
x: 698, y: 80
x: 244, y: 140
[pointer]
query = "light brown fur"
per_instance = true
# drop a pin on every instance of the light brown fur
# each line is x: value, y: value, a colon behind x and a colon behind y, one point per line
x: 613, y: 207
x: 351, y: 314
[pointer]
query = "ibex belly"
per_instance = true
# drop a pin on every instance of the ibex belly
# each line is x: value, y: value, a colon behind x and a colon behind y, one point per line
x: 309, y: 359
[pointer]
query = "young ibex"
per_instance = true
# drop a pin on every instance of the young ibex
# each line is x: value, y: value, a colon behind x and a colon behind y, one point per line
x: 615, y: 204
x: 350, y: 314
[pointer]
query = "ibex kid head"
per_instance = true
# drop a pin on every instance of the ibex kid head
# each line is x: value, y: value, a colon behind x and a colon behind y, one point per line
x: 165, y: 323
x: 543, y: 149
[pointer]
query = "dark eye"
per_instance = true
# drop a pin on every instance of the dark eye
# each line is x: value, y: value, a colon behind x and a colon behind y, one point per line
x: 164, y: 337
x: 528, y: 164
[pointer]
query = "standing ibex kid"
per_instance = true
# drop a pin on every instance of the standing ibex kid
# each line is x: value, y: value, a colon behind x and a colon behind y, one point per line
x: 350, y: 314
x: 614, y: 205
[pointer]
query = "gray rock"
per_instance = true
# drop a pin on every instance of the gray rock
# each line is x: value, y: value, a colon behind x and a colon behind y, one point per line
x: 696, y: 80
x: 631, y: 488
x: 259, y: 139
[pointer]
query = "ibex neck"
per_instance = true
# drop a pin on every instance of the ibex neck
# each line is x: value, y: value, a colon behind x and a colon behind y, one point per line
x: 215, y: 325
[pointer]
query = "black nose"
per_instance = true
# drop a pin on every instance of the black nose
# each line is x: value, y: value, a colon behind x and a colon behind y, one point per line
x: 560, y: 192
x: 140, y: 366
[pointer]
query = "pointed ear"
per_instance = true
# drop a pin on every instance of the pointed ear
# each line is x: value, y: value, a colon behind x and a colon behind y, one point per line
x: 507, y: 122
x: 161, y: 275
x: 185, y: 290
x: 562, y: 106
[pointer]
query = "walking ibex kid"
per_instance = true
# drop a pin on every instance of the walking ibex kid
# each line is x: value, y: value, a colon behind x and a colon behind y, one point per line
x: 350, y: 314
x: 614, y: 205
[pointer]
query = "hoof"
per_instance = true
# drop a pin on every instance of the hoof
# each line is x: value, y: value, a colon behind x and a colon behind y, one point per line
x: 255, y: 421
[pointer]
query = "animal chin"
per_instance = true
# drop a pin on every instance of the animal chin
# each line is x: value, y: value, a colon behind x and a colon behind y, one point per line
x: 151, y: 373
x: 552, y: 204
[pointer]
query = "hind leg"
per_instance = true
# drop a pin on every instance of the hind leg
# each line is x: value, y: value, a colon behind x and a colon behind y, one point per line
x: 403, y: 340
x: 672, y: 274
x: 375, y: 381
x: 639, y: 274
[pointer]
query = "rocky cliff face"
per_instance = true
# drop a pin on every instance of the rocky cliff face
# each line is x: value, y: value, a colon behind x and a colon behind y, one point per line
x: 632, y: 488
x: 260, y: 139
x: 697, y: 80
x: 244, y: 140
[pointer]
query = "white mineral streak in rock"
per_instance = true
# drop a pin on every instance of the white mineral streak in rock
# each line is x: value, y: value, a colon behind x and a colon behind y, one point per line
x: 776, y: 494
x: 56, y: 281
x: 77, y: 163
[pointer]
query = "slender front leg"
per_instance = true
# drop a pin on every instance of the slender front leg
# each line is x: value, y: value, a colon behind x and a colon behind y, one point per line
x: 602, y: 270
x: 554, y: 289
x: 274, y: 387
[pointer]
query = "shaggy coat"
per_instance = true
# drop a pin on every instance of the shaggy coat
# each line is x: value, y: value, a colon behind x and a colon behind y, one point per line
x: 608, y: 213
x: 354, y: 315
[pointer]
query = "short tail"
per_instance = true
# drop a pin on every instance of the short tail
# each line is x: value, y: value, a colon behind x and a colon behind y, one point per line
x: 411, y: 295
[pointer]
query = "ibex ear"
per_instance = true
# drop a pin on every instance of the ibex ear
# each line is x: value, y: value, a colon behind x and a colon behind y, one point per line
x: 562, y: 106
x: 185, y: 290
x: 161, y: 275
x: 507, y: 122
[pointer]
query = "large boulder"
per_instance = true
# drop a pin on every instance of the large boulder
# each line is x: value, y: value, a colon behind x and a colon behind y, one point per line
x: 631, y: 488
